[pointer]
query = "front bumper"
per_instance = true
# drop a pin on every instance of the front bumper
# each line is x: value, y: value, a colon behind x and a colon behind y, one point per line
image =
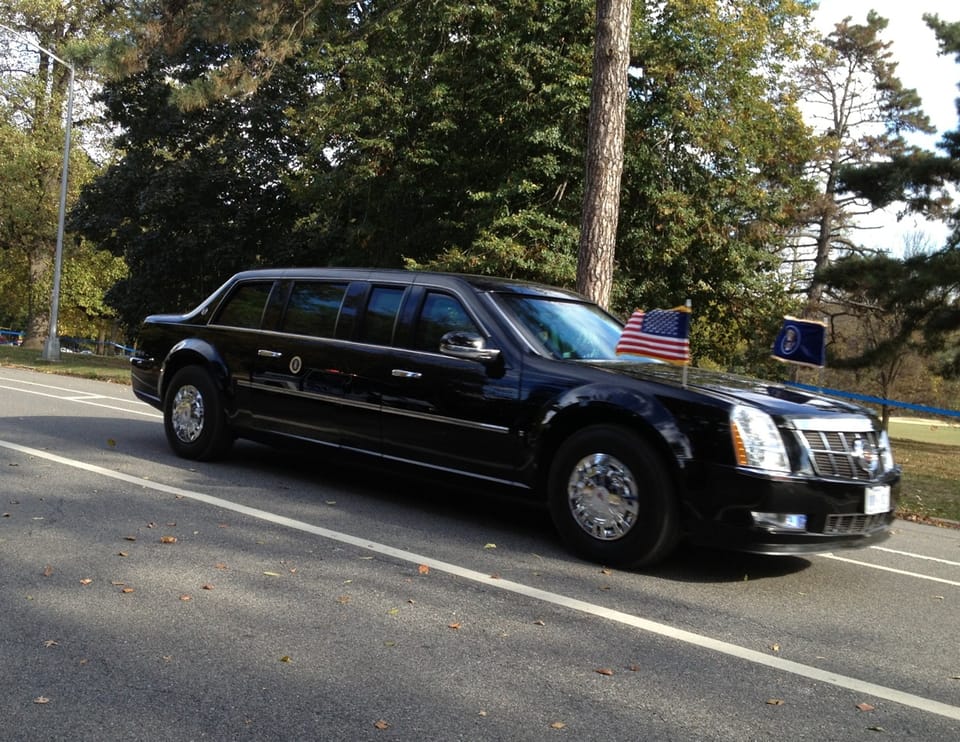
x: 720, y: 513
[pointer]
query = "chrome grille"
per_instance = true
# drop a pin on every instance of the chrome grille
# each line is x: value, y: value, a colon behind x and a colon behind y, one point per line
x: 854, y: 523
x: 844, y: 455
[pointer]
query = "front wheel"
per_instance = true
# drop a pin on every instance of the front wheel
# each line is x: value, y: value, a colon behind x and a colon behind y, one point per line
x: 612, y: 499
x: 193, y: 416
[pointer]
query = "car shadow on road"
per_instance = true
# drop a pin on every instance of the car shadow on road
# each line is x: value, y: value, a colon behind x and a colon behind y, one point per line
x: 523, y: 521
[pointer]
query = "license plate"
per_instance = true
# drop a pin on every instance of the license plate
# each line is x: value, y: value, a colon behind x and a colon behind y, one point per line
x: 877, y: 499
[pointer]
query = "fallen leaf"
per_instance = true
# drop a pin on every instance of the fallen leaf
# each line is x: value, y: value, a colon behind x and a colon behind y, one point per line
x: 47, y: 571
x: 393, y: 612
x: 604, y: 671
x: 558, y: 725
x: 51, y: 643
x: 220, y: 565
x: 876, y: 729
x: 606, y: 571
x: 286, y: 658
x: 185, y: 598
x: 122, y: 554
x: 633, y: 668
x: 381, y: 724
x: 129, y: 538
x: 865, y: 707
x: 111, y: 442
x: 85, y: 581
x: 775, y: 702
x: 151, y: 524
x: 481, y: 712
x: 117, y: 583
x: 272, y: 574
x: 774, y: 647
x: 41, y: 699
x: 454, y: 625
x: 539, y: 622
x: 168, y: 539
x: 126, y: 590
x: 343, y: 599
x: 207, y: 587
x: 490, y: 546
x: 423, y: 569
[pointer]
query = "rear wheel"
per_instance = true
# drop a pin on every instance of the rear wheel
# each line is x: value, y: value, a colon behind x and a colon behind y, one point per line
x: 612, y: 499
x: 193, y: 416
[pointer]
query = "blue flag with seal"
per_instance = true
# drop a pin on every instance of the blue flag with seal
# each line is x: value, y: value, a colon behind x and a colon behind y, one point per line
x: 801, y: 341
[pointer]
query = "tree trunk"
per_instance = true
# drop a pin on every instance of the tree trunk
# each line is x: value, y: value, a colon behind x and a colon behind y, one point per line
x: 40, y: 259
x: 604, y: 167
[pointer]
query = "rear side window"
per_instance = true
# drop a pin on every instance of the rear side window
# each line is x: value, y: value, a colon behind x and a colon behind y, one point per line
x: 245, y: 306
x: 313, y: 308
x: 381, y: 315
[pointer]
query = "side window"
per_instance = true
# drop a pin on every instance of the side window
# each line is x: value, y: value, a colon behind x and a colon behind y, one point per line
x: 440, y: 314
x: 313, y: 308
x: 381, y: 315
x: 245, y: 306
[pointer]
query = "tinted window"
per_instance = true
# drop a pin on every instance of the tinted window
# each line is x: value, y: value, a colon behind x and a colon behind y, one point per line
x: 381, y: 315
x: 313, y: 308
x: 245, y: 306
x: 440, y: 314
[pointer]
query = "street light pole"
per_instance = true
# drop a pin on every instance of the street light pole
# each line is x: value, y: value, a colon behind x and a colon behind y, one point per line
x: 51, y: 348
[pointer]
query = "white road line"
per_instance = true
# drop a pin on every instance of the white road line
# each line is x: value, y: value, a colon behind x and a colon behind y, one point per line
x: 90, y: 400
x: 51, y: 386
x: 916, y: 556
x: 574, y: 604
x: 880, y: 567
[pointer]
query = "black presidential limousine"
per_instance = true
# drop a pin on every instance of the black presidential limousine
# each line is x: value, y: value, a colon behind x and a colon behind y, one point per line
x: 518, y: 384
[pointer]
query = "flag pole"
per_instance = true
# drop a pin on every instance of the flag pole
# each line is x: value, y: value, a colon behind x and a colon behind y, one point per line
x: 687, y: 364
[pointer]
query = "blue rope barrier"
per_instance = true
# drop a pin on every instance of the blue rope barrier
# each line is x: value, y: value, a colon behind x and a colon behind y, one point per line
x: 876, y: 400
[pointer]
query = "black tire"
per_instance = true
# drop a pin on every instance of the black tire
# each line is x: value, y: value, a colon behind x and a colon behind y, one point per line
x: 193, y: 416
x: 612, y: 499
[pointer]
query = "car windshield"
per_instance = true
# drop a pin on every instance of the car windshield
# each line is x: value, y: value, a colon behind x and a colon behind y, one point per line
x: 565, y: 329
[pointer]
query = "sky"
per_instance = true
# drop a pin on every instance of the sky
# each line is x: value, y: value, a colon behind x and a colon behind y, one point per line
x: 934, y: 77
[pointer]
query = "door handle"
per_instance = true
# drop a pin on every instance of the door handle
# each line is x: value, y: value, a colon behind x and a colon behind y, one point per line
x: 269, y: 353
x: 402, y: 374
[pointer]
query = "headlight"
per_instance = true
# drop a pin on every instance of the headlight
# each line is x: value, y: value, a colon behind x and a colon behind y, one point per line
x: 886, y: 452
x: 756, y: 440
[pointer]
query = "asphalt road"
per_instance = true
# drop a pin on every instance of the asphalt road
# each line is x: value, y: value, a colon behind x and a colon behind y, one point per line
x: 282, y: 597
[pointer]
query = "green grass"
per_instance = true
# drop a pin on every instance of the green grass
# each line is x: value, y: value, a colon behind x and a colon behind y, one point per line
x: 103, y: 368
x: 931, y: 480
x: 928, y: 453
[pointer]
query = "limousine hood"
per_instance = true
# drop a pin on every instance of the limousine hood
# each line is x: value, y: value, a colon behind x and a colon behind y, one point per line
x: 772, y: 397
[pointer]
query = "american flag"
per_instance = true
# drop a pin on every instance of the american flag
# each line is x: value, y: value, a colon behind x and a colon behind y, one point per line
x: 660, y: 333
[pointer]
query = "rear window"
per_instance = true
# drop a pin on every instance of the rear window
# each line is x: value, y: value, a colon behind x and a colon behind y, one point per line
x: 245, y: 306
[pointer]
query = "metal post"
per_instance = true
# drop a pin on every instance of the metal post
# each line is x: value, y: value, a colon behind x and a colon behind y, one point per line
x: 51, y: 349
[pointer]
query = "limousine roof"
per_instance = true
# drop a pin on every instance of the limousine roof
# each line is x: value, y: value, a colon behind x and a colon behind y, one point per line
x: 395, y: 275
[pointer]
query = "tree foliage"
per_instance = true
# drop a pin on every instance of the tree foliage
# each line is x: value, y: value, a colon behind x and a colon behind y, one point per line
x: 918, y: 298
x: 45, y: 37
x: 714, y: 160
x: 451, y: 135
x: 861, y: 112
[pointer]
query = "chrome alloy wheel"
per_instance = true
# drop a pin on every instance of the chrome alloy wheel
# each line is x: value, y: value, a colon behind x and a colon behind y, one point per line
x: 187, y: 413
x: 602, y: 494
